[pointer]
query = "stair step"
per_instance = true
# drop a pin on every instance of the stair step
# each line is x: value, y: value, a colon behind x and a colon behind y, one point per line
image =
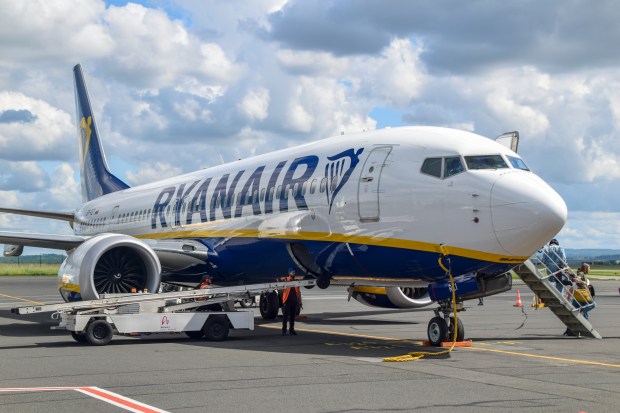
x: 535, y: 280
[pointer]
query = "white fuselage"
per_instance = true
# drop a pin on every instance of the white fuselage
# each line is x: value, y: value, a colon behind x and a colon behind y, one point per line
x: 362, y: 196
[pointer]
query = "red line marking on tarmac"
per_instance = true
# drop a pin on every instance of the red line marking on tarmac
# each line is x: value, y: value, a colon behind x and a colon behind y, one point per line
x: 97, y: 393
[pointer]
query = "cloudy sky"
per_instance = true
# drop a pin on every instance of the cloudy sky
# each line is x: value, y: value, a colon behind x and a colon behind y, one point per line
x: 177, y: 85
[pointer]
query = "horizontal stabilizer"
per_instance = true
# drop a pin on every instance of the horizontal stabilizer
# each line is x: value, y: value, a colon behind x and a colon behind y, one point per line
x: 63, y: 216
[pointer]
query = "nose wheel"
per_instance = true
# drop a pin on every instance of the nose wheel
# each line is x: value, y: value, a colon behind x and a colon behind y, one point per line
x: 441, y: 329
x: 437, y: 331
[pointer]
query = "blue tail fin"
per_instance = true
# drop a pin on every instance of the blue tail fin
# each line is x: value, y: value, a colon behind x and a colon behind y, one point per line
x: 94, y: 173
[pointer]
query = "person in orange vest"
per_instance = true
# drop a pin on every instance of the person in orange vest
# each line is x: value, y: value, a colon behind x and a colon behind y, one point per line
x: 204, y: 284
x: 291, y: 299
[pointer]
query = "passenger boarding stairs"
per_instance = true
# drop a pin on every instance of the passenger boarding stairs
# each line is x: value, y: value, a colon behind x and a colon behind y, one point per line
x: 565, y: 301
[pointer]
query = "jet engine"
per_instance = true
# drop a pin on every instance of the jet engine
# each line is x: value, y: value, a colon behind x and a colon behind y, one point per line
x: 392, y: 297
x: 109, y: 263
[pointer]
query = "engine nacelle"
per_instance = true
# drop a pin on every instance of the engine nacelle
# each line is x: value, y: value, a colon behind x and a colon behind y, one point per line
x: 392, y: 297
x: 13, y: 250
x: 109, y: 263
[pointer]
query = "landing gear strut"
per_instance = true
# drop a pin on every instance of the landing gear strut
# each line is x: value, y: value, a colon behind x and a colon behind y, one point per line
x: 441, y: 327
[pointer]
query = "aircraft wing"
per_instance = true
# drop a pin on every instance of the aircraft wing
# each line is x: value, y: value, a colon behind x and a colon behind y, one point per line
x: 53, y: 241
x: 63, y: 216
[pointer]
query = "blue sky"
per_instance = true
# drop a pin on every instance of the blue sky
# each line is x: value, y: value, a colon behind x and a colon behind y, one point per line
x: 177, y: 85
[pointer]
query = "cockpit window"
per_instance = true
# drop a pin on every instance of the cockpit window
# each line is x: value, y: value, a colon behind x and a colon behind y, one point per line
x: 452, y: 166
x: 518, y: 163
x: 432, y: 166
x: 485, y: 162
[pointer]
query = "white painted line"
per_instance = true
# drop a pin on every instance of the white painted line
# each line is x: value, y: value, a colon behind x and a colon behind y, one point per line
x: 30, y: 389
x: 97, y: 393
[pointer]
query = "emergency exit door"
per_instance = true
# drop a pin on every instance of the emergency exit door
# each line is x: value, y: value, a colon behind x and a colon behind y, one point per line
x: 369, y: 186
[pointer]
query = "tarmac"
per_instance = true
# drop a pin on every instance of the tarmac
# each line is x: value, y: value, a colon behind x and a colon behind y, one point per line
x: 519, y: 361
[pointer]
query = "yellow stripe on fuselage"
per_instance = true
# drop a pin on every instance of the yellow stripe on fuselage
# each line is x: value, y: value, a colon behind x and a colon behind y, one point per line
x: 331, y: 237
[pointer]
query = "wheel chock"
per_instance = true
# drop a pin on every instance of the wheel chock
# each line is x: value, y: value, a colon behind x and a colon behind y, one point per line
x: 464, y: 343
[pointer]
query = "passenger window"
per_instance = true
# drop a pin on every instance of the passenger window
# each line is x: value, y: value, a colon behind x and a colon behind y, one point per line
x: 334, y: 183
x: 304, y: 187
x: 323, y: 185
x: 518, y: 163
x: 270, y: 194
x: 312, y: 186
x: 432, y: 166
x: 452, y: 166
x: 485, y: 162
x: 262, y: 195
x: 279, y: 192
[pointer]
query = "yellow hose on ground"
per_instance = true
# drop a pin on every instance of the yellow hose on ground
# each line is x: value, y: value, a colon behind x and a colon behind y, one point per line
x: 416, y: 355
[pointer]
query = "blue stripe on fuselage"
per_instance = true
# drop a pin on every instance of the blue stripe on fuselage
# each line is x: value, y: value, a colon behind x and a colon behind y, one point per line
x: 250, y: 260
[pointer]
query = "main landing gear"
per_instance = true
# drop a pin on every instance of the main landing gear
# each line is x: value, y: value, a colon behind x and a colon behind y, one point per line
x: 441, y: 327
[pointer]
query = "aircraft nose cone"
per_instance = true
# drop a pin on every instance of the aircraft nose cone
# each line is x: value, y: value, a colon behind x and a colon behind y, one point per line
x: 526, y: 212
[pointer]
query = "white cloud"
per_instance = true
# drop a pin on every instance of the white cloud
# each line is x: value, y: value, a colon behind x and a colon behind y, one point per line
x: 44, y: 137
x: 150, y: 172
x: 255, y: 104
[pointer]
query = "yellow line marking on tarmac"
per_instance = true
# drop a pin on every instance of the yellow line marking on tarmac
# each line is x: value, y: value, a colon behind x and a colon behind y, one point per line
x: 512, y: 353
x: 338, y: 333
x: 21, y: 299
x: 576, y: 361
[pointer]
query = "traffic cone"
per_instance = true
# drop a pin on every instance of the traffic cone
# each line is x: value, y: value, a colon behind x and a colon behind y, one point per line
x: 518, y: 303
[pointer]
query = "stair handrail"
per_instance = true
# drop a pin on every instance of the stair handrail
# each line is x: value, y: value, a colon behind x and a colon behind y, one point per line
x: 556, y: 273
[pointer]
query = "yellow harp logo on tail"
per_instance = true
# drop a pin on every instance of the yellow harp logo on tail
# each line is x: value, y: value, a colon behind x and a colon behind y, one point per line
x: 86, y: 132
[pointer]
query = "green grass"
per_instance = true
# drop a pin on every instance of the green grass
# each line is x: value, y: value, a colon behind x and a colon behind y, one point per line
x: 29, y: 269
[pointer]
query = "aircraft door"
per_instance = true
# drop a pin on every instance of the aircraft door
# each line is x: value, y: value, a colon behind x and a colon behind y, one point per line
x: 368, y: 189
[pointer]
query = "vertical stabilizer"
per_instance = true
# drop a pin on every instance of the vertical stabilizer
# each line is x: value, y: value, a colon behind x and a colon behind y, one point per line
x: 94, y: 173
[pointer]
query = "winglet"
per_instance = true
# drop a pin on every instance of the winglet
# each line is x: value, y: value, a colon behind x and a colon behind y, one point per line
x: 94, y: 172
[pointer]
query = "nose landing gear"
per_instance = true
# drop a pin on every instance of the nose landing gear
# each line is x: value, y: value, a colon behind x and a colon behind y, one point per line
x: 442, y: 327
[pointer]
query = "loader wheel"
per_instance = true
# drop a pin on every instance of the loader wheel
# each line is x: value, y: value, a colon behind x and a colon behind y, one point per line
x: 216, y: 328
x: 269, y: 305
x: 79, y: 337
x: 195, y: 334
x: 98, y: 333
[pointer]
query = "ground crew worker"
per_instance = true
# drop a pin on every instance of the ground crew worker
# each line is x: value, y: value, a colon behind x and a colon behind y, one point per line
x: 291, y: 301
x: 204, y: 284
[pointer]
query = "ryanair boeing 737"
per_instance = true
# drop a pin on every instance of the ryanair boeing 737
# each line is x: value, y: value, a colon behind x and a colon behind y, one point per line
x: 384, y: 212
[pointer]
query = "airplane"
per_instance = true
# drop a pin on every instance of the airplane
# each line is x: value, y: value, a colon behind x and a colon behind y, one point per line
x: 384, y: 212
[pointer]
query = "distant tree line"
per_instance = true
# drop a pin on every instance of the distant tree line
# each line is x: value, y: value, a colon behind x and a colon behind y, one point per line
x: 34, y: 259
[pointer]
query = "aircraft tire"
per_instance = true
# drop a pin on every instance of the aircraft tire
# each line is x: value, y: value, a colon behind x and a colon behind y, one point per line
x: 98, y: 333
x: 460, y: 334
x: 269, y: 305
x: 216, y: 328
x: 437, y: 331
